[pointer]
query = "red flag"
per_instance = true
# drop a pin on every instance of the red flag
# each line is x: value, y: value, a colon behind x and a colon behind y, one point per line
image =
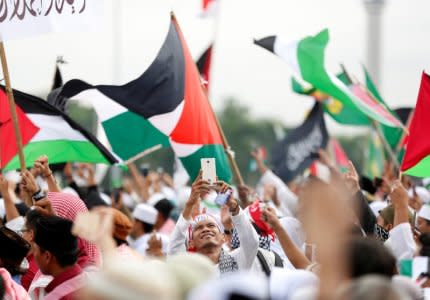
x: 416, y: 161
x: 8, y: 145
x: 255, y: 213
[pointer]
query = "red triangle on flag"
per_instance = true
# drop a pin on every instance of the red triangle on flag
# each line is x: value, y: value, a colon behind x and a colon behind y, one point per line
x: 197, y: 124
x: 8, y: 145
x: 418, y: 141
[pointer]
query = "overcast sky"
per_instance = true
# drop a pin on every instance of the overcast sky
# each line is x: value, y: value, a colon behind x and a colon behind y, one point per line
x: 133, y: 31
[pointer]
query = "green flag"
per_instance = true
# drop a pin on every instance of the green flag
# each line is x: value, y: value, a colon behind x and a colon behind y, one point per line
x: 342, y: 114
x: 307, y: 58
x: 374, y: 157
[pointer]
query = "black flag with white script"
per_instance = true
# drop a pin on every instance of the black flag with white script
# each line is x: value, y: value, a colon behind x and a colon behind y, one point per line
x: 291, y: 156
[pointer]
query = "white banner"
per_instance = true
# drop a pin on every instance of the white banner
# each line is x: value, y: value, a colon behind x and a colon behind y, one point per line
x: 21, y: 18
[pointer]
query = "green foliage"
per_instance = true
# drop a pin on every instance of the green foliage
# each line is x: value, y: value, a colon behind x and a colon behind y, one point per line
x: 245, y: 132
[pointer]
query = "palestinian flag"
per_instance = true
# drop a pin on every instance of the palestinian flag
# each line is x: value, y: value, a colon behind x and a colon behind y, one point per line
x: 204, y: 64
x: 342, y: 114
x: 306, y: 57
x: 46, y: 130
x: 209, y: 8
x: 416, y: 161
x: 165, y: 105
x: 8, y: 144
x: 392, y: 135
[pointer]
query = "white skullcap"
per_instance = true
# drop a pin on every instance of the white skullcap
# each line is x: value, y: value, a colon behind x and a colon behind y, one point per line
x: 377, y: 206
x: 145, y: 213
x: 422, y: 192
x: 425, y: 212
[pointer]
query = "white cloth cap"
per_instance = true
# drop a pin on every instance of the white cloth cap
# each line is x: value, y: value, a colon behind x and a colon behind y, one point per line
x: 422, y: 192
x: 425, y: 212
x: 145, y: 213
x: 377, y: 206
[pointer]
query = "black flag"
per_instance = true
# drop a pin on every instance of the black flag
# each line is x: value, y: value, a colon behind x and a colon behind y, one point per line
x: 299, y: 149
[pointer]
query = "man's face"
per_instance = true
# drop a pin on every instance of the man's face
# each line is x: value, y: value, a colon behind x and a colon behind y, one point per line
x: 423, y: 225
x: 207, y: 234
x: 42, y: 258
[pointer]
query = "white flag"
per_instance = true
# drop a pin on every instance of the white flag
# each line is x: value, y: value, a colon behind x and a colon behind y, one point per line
x: 22, y: 18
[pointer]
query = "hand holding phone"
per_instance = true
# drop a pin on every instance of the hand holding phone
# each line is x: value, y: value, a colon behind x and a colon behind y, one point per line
x: 208, y: 170
x: 222, y: 198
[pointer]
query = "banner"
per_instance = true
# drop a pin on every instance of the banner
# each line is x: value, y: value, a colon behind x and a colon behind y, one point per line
x: 300, y: 148
x: 23, y: 18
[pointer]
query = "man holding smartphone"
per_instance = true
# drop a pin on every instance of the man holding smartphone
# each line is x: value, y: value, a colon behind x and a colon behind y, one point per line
x: 204, y: 235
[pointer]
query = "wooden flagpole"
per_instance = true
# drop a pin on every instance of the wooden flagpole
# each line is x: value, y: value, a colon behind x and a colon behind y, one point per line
x: 9, y: 93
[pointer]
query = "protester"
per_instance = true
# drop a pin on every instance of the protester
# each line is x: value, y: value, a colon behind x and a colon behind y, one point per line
x: 423, y: 219
x: 203, y: 233
x: 13, y: 250
x: 145, y: 217
x: 164, y: 224
x: 56, y: 253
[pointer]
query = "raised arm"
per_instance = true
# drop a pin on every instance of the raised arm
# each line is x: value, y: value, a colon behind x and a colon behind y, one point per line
x: 139, y: 181
x: 296, y: 257
x: 247, y: 235
x: 179, y: 234
x: 42, y: 165
x: 8, y: 198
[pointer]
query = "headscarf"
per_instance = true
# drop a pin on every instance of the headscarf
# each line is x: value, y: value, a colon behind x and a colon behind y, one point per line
x: 200, y: 218
x: 68, y: 206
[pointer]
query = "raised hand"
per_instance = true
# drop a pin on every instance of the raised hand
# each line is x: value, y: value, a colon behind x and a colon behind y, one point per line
x: 29, y: 184
x: 42, y: 165
x: 155, y: 246
x: 352, y: 179
x: 269, y: 216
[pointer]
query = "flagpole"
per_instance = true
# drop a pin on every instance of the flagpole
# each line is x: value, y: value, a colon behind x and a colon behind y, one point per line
x: 405, y: 133
x: 386, y: 145
x: 12, y: 106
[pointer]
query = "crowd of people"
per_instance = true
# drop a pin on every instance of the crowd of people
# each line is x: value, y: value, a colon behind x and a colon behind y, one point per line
x: 346, y: 238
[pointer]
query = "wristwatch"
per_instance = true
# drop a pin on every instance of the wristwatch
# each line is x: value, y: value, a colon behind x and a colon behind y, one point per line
x: 39, y: 195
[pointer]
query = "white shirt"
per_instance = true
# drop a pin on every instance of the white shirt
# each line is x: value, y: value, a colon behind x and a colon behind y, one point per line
x: 401, y: 242
x: 287, y: 198
x: 245, y: 255
x: 141, y: 243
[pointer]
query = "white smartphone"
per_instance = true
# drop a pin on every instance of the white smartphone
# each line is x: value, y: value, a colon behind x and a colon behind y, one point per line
x: 208, y: 170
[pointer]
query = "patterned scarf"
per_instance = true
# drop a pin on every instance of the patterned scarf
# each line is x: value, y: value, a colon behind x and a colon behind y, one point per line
x: 380, y: 233
x: 227, y: 264
x: 264, y: 240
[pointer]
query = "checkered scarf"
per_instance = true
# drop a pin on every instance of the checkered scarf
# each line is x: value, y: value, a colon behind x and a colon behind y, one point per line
x: 227, y: 264
x: 264, y: 240
x: 67, y: 206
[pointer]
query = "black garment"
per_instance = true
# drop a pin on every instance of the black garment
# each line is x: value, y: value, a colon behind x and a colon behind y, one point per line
x: 364, y: 212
